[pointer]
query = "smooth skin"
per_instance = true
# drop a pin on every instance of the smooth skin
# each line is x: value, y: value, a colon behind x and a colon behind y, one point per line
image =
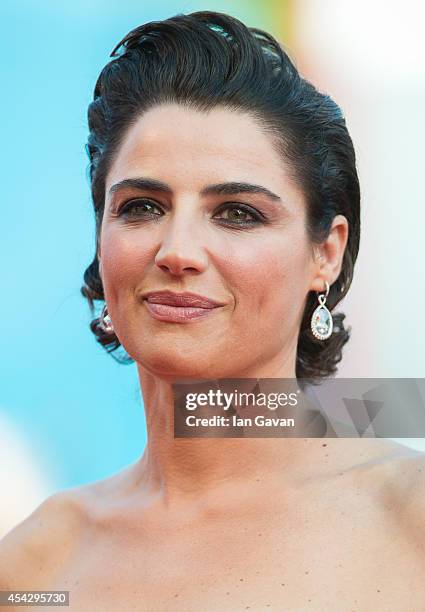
x: 223, y: 524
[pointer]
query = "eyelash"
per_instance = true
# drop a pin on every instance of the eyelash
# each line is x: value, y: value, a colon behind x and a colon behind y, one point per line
x: 130, y: 205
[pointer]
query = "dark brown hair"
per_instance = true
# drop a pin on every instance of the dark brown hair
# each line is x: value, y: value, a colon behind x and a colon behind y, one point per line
x: 208, y: 59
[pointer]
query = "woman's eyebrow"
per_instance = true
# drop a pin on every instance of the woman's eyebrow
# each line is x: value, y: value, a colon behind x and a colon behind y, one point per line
x: 141, y: 183
x: 235, y: 187
x: 231, y: 188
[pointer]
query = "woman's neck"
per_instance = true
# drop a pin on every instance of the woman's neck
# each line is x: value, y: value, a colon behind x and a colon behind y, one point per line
x: 180, y: 467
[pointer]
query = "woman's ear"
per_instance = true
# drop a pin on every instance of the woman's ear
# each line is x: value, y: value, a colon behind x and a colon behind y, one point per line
x: 331, y: 253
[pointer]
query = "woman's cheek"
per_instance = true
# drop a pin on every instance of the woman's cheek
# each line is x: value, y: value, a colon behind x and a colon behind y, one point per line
x: 123, y: 260
x: 279, y: 269
x: 251, y: 255
x: 126, y: 255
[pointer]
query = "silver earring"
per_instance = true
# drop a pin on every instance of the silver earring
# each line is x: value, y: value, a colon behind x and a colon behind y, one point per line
x: 321, y: 321
x: 105, y: 322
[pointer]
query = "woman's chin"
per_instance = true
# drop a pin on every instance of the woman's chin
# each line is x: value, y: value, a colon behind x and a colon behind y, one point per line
x: 173, y: 366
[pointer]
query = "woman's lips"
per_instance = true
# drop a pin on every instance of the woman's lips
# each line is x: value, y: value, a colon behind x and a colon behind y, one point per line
x: 180, y: 307
x: 177, y: 314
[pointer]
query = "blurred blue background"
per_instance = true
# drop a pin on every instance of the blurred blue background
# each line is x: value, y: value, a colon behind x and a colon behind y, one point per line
x: 70, y: 414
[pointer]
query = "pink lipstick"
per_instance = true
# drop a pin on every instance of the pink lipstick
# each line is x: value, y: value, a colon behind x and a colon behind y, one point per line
x: 179, y: 307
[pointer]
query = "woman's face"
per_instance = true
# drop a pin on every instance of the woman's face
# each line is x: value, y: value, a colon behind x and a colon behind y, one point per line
x: 242, y: 247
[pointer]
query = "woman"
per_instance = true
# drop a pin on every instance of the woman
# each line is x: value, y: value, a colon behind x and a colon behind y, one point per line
x: 216, y: 170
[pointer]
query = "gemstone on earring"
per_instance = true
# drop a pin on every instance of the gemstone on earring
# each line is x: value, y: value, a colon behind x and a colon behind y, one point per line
x: 321, y: 323
x: 105, y: 322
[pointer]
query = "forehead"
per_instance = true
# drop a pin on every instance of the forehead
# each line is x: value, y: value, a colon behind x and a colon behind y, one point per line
x: 192, y: 147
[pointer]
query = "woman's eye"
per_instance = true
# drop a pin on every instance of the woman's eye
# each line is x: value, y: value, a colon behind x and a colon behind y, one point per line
x: 139, y: 207
x: 231, y: 214
x: 239, y: 215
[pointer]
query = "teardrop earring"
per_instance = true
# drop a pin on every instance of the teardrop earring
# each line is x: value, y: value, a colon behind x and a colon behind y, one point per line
x: 105, y: 322
x: 321, y: 321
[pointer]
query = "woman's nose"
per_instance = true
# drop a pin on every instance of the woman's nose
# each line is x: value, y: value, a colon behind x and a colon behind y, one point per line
x: 182, y: 248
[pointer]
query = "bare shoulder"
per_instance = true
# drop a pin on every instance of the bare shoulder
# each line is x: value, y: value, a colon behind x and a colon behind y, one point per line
x: 395, y: 476
x: 402, y: 471
x: 38, y: 548
x: 406, y: 490
x: 396, y: 469
x: 31, y: 551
